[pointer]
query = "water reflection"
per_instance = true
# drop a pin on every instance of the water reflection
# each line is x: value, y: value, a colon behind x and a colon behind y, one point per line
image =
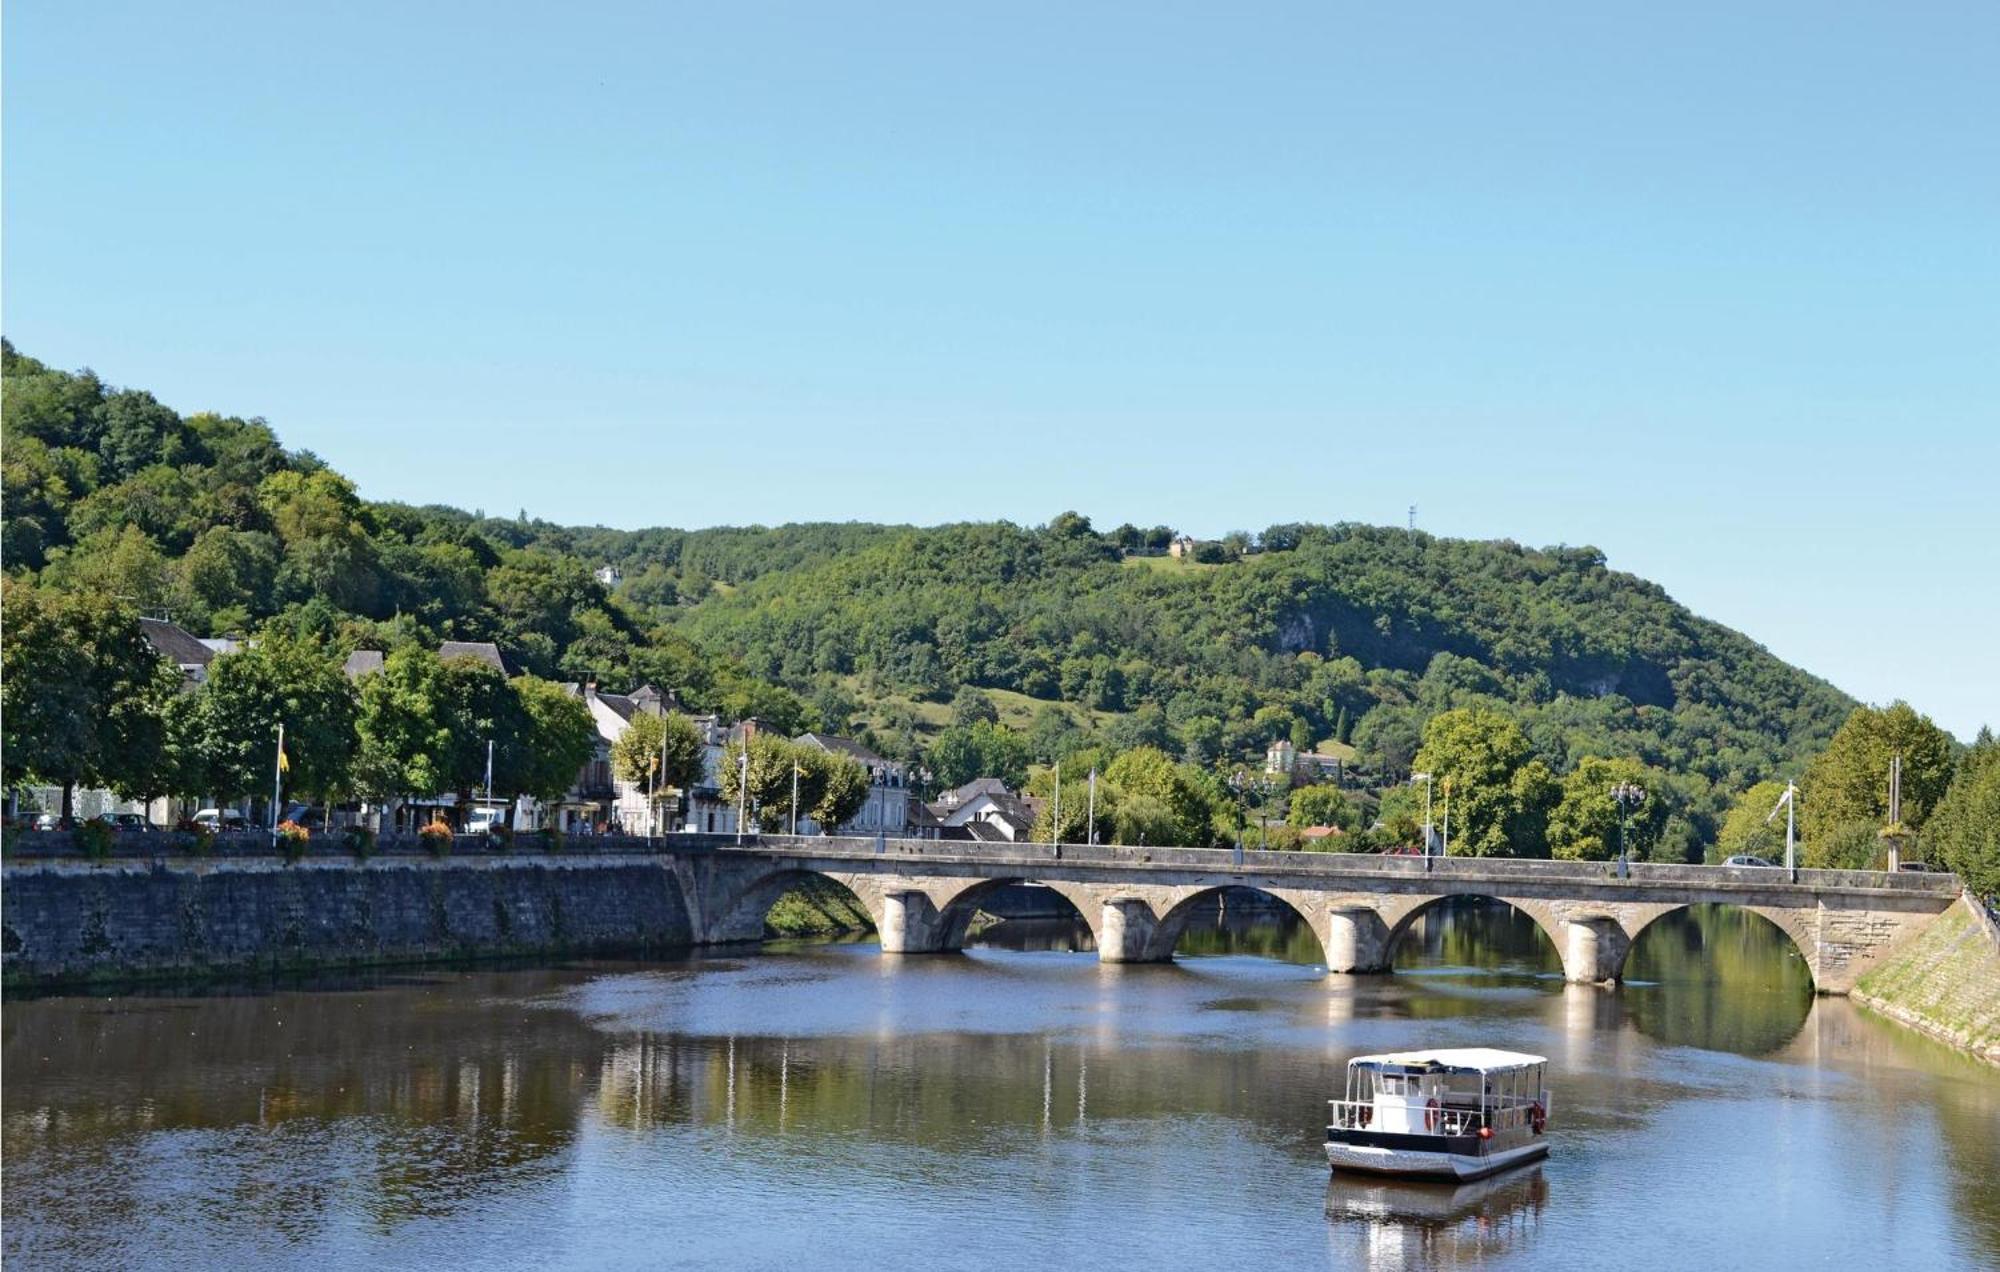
x: 827, y: 1106
x: 1460, y: 936
x: 1242, y: 921
x: 1717, y: 977
x: 1410, y: 1224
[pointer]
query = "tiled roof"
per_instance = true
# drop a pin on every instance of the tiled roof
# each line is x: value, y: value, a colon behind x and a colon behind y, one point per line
x: 972, y: 790
x: 484, y: 650
x: 840, y: 746
x: 362, y: 662
x: 176, y: 642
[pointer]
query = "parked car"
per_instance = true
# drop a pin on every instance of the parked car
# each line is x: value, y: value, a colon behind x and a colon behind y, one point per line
x: 1745, y: 859
x: 484, y: 821
x: 127, y: 823
x: 213, y: 819
x: 48, y: 821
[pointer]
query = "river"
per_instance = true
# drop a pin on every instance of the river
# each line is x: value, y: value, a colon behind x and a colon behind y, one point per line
x: 1020, y: 1105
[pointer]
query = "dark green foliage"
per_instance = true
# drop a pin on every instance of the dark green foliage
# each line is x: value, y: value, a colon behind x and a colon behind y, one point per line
x: 85, y: 694
x: 1964, y: 832
x: 1306, y: 632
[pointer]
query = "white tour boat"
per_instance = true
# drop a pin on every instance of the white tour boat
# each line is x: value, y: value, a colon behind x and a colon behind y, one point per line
x: 1453, y: 1114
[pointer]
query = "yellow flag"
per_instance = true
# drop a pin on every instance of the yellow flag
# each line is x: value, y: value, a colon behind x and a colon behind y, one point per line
x: 284, y: 764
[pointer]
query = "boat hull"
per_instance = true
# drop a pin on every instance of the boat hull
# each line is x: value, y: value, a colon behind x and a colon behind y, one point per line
x: 1414, y: 1163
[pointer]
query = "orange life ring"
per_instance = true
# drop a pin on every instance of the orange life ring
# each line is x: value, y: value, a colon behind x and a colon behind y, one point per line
x: 1538, y: 1117
x: 1432, y: 1115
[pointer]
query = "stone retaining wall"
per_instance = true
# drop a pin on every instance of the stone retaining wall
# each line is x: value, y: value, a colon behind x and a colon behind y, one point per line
x: 70, y: 922
x: 1945, y: 983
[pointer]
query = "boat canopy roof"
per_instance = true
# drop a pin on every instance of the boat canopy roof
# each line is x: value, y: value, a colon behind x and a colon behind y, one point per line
x: 1459, y: 1059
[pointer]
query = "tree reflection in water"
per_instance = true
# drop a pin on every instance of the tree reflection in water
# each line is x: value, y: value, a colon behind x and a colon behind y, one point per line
x: 1717, y: 977
x: 1475, y: 937
x: 798, y: 1106
x: 1244, y: 921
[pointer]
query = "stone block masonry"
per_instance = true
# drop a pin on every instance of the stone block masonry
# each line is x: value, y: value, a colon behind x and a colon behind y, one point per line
x: 1945, y: 983
x: 73, y: 923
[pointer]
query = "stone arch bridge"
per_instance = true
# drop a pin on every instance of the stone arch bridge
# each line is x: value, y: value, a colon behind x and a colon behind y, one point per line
x: 923, y: 894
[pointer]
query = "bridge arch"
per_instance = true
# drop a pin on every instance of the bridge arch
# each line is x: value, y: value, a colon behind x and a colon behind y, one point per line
x: 1542, y: 915
x: 739, y: 913
x: 1172, y: 925
x: 957, y: 907
x: 1794, y: 924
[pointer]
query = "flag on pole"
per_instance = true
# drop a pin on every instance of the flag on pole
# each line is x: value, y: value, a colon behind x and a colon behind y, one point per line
x: 284, y: 763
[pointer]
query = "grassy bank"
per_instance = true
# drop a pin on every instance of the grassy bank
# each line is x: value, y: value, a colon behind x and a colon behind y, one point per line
x: 1945, y: 984
x: 818, y: 907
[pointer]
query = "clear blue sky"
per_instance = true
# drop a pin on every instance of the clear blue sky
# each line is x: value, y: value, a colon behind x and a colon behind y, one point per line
x: 1715, y: 287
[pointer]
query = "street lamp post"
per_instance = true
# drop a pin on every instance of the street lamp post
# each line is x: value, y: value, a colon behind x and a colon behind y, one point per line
x: 1628, y: 796
x: 1425, y: 778
x: 742, y: 789
x: 1239, y: 782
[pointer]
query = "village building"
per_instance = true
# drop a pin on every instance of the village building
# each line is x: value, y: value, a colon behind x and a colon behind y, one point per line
x: 887, y: 808
x: 984, y: 809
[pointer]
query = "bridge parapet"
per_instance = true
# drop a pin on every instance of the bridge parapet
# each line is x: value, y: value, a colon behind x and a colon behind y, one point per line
x: 1042, y: 857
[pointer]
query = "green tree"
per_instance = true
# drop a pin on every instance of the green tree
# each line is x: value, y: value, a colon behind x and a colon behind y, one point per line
x: 1749, y: 829
x: 843, y: 789
x: 403, y: 742
x: 659, y: 753
x: 1389, y: 738
x: 1965, y: 828
x: 476, y: 705
x: 1319, y: 806
x: 248, y: 693
x: 1584, y: 824
x: 1146, y: 774
x: 85, y: 694
x: 982, y: 749
x: 969, y: 706
x: 1145, y: 819
x: 1847, y: 785
x: 557, y: 739
x: 770, y: 779
x: 1499, y: 794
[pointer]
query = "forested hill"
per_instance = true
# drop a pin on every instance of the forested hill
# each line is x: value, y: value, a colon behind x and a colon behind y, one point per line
x: 1355, y: 632
x: 1344, y: 632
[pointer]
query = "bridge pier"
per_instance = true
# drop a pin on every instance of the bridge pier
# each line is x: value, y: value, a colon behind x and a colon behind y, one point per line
x: 1357, y: 940
x: 1594, y: 949
x: 911, y: 924
x: 1126, y: 933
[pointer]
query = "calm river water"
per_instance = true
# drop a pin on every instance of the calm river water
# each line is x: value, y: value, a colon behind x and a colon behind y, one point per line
x: 1018, y: 1106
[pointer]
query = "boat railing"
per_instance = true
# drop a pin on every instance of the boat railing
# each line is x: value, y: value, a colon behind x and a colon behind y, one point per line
x: 1359, y: 1115
x: 1511, y: 1114
x: 1500, y: 1114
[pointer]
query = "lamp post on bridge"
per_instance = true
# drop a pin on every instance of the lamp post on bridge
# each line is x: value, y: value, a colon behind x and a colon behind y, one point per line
x: 1426, y: 779
x: 1628, y: 796
x: 1239, y: 782
x: 742, y: 788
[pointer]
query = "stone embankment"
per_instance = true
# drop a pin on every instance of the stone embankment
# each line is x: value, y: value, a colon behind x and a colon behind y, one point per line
x: 1946, y: 982
x: 68, y: 922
